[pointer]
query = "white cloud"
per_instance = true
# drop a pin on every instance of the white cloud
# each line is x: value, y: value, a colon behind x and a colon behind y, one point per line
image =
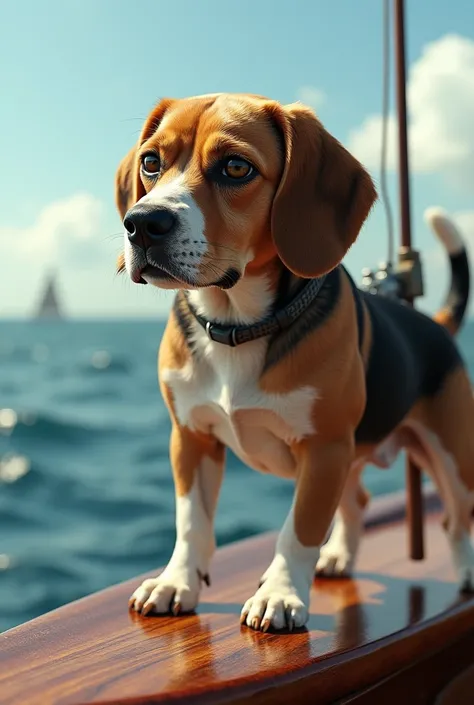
x: 441, y: 115
x: 366, y: 142
x: 65, y: 231
x: 72, y: 236
x: 311, y: 96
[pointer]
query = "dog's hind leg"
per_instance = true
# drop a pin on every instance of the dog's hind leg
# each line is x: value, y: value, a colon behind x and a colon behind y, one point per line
x: 339, y: 553
x: 441, y: 441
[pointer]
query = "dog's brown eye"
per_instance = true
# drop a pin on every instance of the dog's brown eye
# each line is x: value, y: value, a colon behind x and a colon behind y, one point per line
x: 236, y: 168
x: 151, y: 164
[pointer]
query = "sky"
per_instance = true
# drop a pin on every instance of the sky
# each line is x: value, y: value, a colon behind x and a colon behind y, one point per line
x: 78, y: 77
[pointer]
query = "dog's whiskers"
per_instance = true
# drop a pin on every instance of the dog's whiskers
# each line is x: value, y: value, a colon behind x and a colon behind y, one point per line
x: 113, y: 236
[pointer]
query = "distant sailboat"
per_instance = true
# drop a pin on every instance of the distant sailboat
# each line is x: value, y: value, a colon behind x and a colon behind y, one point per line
x: 49, y: 306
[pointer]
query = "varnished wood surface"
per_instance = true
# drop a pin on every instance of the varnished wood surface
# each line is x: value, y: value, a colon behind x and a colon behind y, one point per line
x: 95, y: 651
x: 443, y: 678
x: 460, y: 691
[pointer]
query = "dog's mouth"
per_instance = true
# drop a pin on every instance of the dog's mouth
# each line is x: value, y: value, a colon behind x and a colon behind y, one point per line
x: 157, y: 273
x: 165, y: 277
x: 151, y: 274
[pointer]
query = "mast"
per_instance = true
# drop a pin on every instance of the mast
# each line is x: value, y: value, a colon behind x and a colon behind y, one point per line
x: 48, y: 306
x: 407, y: 255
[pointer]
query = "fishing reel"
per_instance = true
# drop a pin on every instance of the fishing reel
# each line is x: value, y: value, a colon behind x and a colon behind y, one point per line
x: 402, y: 281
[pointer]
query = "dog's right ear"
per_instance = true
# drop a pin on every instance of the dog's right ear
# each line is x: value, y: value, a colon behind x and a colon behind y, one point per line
x: 126, y: 191
x: 128, y: 184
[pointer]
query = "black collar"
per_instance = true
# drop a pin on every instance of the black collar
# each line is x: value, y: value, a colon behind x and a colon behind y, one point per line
x: 278, y: 321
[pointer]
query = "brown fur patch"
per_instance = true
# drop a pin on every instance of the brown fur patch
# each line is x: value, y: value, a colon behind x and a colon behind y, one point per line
x: 323, y: 199
x: 329, y: 360
x: 125, y: 176
x: 187, y: 449
x: 324, y: 467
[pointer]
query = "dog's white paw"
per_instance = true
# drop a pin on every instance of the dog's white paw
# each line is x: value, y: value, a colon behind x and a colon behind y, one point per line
x: 336, y: 560
x: 281, y: 601
x: 463, y: 555
x: 338, y: 555
x: 176, y: 590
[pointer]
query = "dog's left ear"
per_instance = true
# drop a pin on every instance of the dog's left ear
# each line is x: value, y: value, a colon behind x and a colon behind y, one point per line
x: 323, y: 198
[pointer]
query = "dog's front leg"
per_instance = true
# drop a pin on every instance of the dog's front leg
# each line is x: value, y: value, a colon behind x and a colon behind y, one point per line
x: 282, y: 600
x: 198, y: 464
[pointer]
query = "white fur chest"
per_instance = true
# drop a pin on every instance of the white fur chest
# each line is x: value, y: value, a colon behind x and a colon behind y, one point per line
x: 217, y: 391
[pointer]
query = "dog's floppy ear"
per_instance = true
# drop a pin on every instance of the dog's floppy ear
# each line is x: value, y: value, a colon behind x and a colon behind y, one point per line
x: 128, y: 184
x: 323, y: 198
x: 127, y: 191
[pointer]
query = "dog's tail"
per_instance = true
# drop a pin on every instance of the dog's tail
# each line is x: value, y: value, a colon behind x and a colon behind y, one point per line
x: 451, y: 314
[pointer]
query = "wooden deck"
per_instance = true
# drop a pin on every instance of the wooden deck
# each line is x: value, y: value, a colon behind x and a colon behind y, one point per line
x: 362, y: 633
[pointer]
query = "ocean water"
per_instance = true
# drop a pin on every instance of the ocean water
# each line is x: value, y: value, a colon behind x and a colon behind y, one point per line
x: 86, y: 493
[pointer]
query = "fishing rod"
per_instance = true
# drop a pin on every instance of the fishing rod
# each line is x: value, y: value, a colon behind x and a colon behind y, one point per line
x: 402, y: 279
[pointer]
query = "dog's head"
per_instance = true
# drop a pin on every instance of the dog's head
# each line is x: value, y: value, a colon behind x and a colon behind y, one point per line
x: 222, y: 184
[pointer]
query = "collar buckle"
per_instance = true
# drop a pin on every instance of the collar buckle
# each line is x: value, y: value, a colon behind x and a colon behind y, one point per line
x: 225, y: 336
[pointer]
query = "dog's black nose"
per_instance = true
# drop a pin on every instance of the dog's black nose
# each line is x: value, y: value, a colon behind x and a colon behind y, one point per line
x: 147, y: 225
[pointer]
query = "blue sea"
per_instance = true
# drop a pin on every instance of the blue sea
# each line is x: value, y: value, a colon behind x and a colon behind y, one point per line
x: 86, y: 493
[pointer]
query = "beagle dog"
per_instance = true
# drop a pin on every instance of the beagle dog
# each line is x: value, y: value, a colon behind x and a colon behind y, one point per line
x: 247, y: 208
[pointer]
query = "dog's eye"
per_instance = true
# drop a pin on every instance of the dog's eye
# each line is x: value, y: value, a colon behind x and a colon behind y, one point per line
x: 236, y: 168
x: 151, y: 164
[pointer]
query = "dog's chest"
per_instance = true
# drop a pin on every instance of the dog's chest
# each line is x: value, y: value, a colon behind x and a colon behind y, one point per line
x: 218, y: 392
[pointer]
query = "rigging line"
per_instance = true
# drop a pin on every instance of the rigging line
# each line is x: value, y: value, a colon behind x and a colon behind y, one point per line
x: 385, y: 126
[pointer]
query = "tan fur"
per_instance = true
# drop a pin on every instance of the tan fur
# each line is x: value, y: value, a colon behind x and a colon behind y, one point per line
x: 323, y: 470
x: 120, y: 263
x: 450, y: 416
x: 446, y: 319
x: 125, y: 190
x: 329, y: 359
x: 324, y: 194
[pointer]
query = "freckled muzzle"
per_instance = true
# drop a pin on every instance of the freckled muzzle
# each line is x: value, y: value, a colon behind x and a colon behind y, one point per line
x: 164, y: 251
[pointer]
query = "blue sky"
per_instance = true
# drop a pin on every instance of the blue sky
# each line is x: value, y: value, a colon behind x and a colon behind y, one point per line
x: 77, y: 78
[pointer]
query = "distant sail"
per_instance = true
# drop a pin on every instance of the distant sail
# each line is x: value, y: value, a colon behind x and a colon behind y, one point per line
x: 49, y: 304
